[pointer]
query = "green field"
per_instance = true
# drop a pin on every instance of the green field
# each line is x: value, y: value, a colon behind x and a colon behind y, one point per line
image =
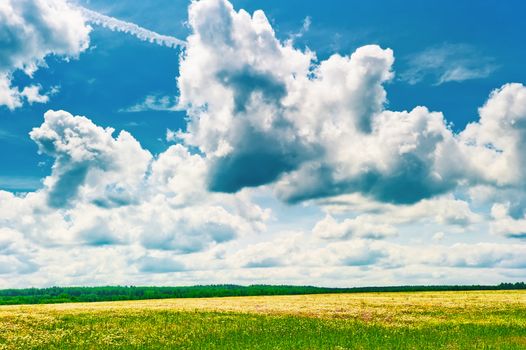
x: 407, y: 320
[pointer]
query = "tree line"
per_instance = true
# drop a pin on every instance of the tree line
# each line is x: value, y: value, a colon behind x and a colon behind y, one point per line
x: 114, y: 293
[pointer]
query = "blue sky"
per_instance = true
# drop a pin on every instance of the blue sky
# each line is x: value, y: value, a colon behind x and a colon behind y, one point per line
x: 273, y: 156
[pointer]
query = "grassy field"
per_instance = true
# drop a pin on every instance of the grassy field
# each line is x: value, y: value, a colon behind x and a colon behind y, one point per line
x: 417, y: 320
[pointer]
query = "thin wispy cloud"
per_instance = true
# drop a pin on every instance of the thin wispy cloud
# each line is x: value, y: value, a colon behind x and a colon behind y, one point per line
x: 153, y: 103
x: 20, y: 183
x: 448, y: 63
x: 307, y: 22
x: 118, y: 25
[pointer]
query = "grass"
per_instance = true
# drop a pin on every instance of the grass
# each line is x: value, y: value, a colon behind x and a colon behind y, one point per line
x: 415, y: 320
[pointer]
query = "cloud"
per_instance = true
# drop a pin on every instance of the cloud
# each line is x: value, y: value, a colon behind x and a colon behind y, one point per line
x: 439, y: 236
x: 505, y: 225
x: 143, y: 34
x: 495, y: 142
x: 361, y: 226
x: 15, y: 254
x: 255, y: 102
x: 485, y: 255
x: 358, y: 253
x: 443, y: 210
x: 307, y: 22
x: 316, y: 129
x: 153, y: 103
x: 20, y: 183
x: 32, y: 94
x: 447, y: 63
x: 33, y: 30
x: 171, y: 135
x: 106, y: 191
x: 83, y: 151
x: 153, y: 264
x: 296, y: 249
x: 274, y: 253
x: 403, y: 160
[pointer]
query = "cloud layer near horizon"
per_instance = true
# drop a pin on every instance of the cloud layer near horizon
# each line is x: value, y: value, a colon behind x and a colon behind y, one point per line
x: 266, y: 121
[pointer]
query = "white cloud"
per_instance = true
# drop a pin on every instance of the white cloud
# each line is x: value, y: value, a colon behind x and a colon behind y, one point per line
x: 15, y: 253
x: 315, y: 129
x: 307, y: 21
x: 278, y: 252
x: 361, y: 226
x: 84, y: 152
x: 439, y: 236
x: 153, y: 103
x: 495, y: 143
x: 33, y: 30
x: 319, y: 129
x: 358, y: 253
x: 115, y: 24
x: 485, y: 255
x: 447, y: 63
x: 32, y: 94
x: 505, y: 225
x: 171, y: 136
x: 444, y: 210
x: 106, y: 190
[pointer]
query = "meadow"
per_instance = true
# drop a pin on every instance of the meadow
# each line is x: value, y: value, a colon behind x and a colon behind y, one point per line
x: 402, y: 320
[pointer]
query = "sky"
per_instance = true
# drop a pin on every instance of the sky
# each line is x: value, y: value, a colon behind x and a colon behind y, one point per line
x: 334, y: 143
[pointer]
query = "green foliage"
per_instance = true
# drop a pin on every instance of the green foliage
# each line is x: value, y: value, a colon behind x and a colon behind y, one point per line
x: 113, y: 293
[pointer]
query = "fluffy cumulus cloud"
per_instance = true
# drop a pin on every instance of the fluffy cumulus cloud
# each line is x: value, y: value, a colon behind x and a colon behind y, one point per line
x: 504, y: 224
x: 386, y: 196
x: 31, y: 30
x: 329, y: 228
x: 257, y: 102
x: 15, y: 253
x: 84, y: 152
x: 379, y: 220
x: 107, y: 191
x: 319, y: 129
x: 495, y: 143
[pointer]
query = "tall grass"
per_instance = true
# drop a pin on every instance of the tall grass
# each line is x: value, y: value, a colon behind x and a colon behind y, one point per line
x: 469, y: 320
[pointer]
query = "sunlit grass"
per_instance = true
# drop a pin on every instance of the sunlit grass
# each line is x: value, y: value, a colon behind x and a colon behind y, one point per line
x: 420, y: 320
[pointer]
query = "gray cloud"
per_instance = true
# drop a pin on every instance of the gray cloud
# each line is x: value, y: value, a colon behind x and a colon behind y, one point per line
x: 152, y: 264
x: 264, y: 262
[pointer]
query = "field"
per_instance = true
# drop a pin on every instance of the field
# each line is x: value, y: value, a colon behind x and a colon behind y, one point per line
x: 404, y: 320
